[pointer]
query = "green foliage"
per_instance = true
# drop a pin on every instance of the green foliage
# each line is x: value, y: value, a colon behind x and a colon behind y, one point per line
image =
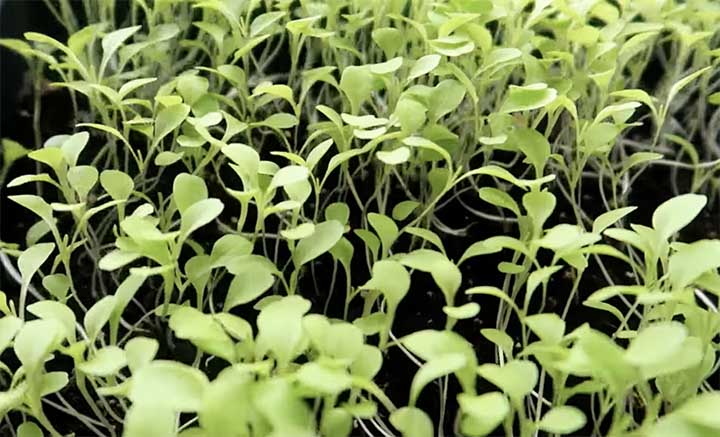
x: 223, y: 246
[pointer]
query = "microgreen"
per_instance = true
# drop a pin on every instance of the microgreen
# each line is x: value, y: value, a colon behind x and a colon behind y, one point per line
x: 353, y: 218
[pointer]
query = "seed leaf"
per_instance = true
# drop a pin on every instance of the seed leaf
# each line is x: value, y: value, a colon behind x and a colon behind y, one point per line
x: 325, y: 236
x: 525, y: 98
x: 565, y: 419
x: 169, y: 384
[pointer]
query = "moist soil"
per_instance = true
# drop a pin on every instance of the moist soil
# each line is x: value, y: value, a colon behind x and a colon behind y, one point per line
x: 421, y: 309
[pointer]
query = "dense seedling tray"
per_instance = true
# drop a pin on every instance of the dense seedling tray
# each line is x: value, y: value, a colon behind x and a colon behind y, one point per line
x: 246, y: 218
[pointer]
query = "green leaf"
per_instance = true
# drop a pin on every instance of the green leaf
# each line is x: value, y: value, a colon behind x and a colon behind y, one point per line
x: 322, y: 379
x: 356, y: 84
x: 35, y: 340
x: 423, y: 66
x: 192, y: 88
x: 200, y: 214
x: 228, y: 247
x: 57, y: 285
x: 673, y: 215
x: 452, y: 46
x: 32, y: 258
x: 82, y: 179
x: 29, y: 429
x: 533, y: 145
x: 105, y: 362
x: 249, y: 45
x: 539, y: 206
x: 52, y: 157
x: 385, y: 228
x: 169, y: 119
x: 279, y: 403
x: 188, y: 190
x: 247, y: 163
x: 112, y: 42
x: 656, y: 343
x: 289, y: 175
x: 73, y: 146
x: 389, y: 39
x: 317, y: 153
x: 249, y: 283
x: 445, y: 98
x: 682, y: 83
x: 12, y: 150
x: 326, y: 235
x: 565, y: 419
x: 394, y: 157
x: 51, y: 310
x: 140, y: 351
x: 549, y: 327
x: 163, y: 159
x: 53, y: 382
x: 97, y: 316
x: 117, y: 259
x: 609, y: 218
x: 436, y: 367
x: 169, y: 384
x: 391, y: 279
x: 639, y: 158
x: 499, y: 56
x: 467, y: 311
x: 117, y: 184
x: 402, y: 210
x: 714, y: 98
x: 203, y: 331
x: 427, y: 235
x: 231, y: 387
x: 516, y: 378
x: 281, y: 120
x: 387, y: 67
x: 692, y: 260
x: 280, y: 327
x: 264, y: 21
x: 445, y: 273
x: 700, y: 410
x: 338, y: 211
x: 412, y: 422
x: 301, y: 231
x: 486, y: 412
x: 134, y: 84
x: 336, y: 422
x: 411, y: 114
x: 147, y: 419
x: 9, y: 326
x: 499, y: 198
x: 525, y: 98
